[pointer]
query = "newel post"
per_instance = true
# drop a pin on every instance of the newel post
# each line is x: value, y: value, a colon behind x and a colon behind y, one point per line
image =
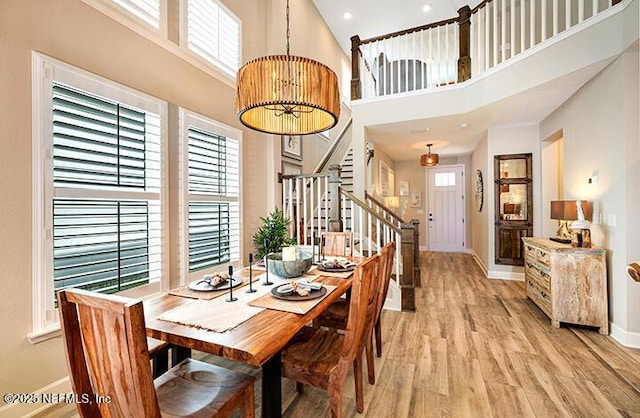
x: 355, y: 67
x: 464, y: 62
x: 416, y: 252
x: 407, y: 282
x: 335, y: 210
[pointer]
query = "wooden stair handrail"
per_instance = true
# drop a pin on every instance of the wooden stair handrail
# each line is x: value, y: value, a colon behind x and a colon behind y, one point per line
x: 369, y: 211
x: 327, y: 155
x: 367, y: 196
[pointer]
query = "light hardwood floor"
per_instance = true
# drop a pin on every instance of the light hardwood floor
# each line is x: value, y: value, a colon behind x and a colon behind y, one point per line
x: 479, y: 348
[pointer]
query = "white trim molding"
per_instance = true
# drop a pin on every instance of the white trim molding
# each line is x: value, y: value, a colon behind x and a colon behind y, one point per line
x: 480, y: 263
x: 624, y: 337
x: 12, y: 410
x: 505, y: 275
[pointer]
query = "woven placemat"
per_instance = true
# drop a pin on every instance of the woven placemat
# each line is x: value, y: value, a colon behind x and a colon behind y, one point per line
x: 298, y: 307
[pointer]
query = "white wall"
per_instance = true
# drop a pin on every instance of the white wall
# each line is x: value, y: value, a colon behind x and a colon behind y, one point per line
x: 601, y: 136
x: 480, y: 219
x: 512, y: 140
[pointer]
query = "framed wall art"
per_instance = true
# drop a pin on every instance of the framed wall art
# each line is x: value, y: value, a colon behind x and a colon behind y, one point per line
x: 292, y: 146
x: 416, y: 199
x: 404, y: 188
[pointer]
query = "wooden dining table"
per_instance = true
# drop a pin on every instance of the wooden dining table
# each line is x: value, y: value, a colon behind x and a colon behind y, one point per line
x: 257, y: 341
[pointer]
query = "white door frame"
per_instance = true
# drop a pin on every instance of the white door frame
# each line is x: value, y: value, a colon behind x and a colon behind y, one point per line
x: 459, y: 245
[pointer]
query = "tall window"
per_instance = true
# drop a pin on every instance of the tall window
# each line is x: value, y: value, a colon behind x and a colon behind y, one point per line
x: 147, y: 10
x: 99, y: 192
x: 211, y: 184
x: 213, y: 33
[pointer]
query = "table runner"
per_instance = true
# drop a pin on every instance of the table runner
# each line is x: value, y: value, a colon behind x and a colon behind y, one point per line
x: 215, y: 314
x: 185, y: 292
x: 298, y: 307
x: 338, y: 274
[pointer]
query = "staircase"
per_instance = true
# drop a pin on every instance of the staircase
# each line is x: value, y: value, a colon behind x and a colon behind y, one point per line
x: 309, y: 201
x: 346, y: 175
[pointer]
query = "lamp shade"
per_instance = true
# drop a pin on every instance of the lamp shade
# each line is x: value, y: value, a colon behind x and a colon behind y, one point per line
x: 566, y: 210
x: 287, y: 95
x: 429, y: 160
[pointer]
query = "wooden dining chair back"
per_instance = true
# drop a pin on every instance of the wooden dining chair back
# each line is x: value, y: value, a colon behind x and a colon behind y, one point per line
x: 338, y: 244
x: 107, y: 355
x: 384, y: 277
x: 324, y: 358
x: 361, y: 308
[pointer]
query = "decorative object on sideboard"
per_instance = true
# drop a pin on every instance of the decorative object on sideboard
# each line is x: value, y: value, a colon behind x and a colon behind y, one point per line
x: 634, y: 271
x: 565, y: 211
x: 581, y: 236
x: 286, y: 94
x: 429, y: 159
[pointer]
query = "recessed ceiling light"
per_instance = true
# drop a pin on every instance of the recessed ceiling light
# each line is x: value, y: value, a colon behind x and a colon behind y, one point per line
x: 346, y: 15
x: 426, y: 8
x: 463, y: 125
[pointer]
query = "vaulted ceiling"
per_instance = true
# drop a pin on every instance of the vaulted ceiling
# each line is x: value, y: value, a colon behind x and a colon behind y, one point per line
x: 370, y: 18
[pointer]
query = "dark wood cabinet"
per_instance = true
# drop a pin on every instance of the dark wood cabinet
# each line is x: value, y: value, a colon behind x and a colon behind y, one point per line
x: 513, y: 206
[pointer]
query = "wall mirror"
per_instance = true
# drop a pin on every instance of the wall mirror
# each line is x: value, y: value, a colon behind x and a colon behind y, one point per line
x: 513, y: 206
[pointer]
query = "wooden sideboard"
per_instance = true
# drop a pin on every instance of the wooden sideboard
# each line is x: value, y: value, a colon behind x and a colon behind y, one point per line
x: 569, y: 284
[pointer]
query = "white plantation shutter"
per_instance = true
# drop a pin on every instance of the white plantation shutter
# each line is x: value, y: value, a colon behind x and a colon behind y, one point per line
x: 213, y: 33
x: 211, y: 173
x: 106, y: 193
x: 147, y: 10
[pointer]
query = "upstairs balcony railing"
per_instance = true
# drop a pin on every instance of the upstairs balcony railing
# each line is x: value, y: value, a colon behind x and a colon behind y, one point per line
x: 456, y: 49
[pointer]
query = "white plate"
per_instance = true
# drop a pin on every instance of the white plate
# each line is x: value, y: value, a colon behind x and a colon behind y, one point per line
x: 200, y: 286
x: 284, y: 289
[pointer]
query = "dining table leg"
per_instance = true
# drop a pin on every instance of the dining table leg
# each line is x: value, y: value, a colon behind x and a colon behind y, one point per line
x: 272, y: 387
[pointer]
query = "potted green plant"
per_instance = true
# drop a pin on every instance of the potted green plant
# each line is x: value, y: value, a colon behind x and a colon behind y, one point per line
x: 273, y: 232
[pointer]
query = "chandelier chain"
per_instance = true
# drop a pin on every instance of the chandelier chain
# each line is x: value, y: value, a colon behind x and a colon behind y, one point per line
x: 288, y: 30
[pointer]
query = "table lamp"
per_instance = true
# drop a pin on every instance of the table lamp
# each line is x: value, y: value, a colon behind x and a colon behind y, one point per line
x: 566, y: 211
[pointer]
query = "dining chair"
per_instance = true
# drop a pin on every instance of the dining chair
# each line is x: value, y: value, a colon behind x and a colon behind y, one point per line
x: 323, y: 358
x: 335, y: 316
x: 336, y: 244
x: 107, y: 355
x: 159, y: 356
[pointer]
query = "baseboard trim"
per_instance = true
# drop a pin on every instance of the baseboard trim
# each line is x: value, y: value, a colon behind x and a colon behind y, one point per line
x: 505, y: 275
x: 28, y: 410
x: 480, y: 263
x: 624, y: 337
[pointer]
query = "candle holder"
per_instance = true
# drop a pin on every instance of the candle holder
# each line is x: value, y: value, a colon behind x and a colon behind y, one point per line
x: 231, y: 298
x: 266, y: 273
x: 266, y: 265
x: 314, y: 262
x: 250, y: 289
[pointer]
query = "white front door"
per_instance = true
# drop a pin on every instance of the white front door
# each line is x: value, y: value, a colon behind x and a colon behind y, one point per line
x: 446, y: 208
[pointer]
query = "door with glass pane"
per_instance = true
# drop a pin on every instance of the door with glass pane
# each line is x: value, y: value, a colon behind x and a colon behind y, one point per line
x: 446, y: 208
x: 513, y: 206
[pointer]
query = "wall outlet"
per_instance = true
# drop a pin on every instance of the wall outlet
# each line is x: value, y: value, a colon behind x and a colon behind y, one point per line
x: 611, y: 219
